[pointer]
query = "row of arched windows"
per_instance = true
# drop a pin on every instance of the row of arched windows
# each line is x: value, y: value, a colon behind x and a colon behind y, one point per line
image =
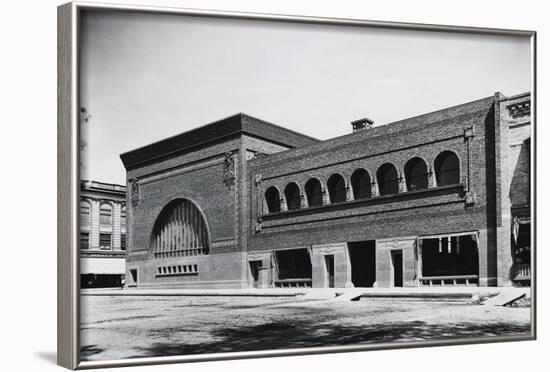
x: 416, y: 175
x: 105, y: 214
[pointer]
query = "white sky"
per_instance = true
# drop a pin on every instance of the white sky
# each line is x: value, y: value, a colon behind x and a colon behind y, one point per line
x: 147, y: 77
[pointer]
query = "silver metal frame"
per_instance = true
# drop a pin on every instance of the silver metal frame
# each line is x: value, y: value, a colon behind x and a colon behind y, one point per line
x: 68, y: 189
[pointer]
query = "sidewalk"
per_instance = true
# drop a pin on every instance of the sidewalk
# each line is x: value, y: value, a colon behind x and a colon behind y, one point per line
x: 414, y: 292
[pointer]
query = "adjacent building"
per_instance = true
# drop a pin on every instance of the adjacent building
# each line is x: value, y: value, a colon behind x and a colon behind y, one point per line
x: 102, y: 234
x: 438, y: 199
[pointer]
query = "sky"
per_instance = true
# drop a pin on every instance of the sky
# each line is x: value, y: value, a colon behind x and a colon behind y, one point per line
x: 147, y: 77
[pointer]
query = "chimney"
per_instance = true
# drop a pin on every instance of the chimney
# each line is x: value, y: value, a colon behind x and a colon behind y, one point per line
x: 361, y: 124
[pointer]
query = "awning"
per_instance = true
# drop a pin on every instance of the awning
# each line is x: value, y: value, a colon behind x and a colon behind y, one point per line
x: 102, y: 265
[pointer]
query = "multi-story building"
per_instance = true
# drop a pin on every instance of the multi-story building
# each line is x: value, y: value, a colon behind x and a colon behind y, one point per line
x: 102, y: 234
x: 438, y: 199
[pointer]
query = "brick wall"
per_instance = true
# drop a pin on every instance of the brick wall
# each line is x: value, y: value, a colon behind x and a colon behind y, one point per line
x: 198, y: 176
x: 438, y: 209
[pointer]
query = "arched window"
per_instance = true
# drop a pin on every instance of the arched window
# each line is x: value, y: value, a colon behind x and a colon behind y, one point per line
x: 336, y: 188
x: 180, y: 230
x: 273, y: 199
x: 106, y: 215
x: 314, y: 192
x: 360, y: 183
x: 292, y: 195
x: 85, y: 209
x: 447, y: 169
x: 416, y: 174
x: 388, y: 182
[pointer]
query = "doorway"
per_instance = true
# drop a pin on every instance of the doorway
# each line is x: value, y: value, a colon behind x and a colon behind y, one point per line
x: 255, y: 272
x: 329, y: 262
x: 397, y: 266
x: 363, y: 263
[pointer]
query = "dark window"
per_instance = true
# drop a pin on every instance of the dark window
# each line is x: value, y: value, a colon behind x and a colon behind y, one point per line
x: 447, y: 169
x: 522, y: 238
x: 123, y: 242
x: 293, y: 264
x: 336, y: 188
x: 104, y: 241
x: 105, y: 215
x: 84, y: 240
x: 360, y: 183
x: 273, y: 200
x: 416, y: 174
x: 314, y: 192
x: 85, y: 213
x: 292, y: 195
x: 448, y: 256
x: 388, y: 182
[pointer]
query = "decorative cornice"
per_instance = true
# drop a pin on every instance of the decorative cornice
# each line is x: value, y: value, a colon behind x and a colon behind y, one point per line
x: 122, y: 202
x: 228, y: 242
x: 102, y: 254
x: 519, y: 109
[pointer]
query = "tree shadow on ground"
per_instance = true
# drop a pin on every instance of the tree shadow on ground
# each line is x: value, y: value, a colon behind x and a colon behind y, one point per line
x: 89, y: 350
x: 289, y: 334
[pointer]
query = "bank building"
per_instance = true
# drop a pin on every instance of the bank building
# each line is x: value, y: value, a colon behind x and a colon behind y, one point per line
x: 439, y: 199
x: 102, y: 234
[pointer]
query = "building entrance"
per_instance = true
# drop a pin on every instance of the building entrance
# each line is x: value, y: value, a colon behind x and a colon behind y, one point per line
x: 255, y: 272
x: 397, y: 266
x: 363, y: 263
x: 329, y: 262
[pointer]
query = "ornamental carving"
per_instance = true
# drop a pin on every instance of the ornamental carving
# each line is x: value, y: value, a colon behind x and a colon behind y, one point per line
x: 519, y: 109
x: 229, y: 170
x: 134, y: 192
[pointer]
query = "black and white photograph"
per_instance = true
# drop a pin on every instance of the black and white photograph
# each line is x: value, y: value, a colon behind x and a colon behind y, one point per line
x: 272, y: 185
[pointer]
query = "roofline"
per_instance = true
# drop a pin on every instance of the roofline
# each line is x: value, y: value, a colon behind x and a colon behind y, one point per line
x: 280, y: 127
x: 521, y: 95
x: 90, y: 185
x: 229, y: 127
x: 241, y: 114
x: 494, y: 97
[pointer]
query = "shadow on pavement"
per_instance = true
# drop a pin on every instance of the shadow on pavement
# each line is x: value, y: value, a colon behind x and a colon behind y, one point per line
x: 288, y: 334
x: 89, y: 350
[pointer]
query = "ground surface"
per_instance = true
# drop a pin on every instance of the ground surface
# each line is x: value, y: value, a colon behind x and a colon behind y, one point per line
x: 115, y: 327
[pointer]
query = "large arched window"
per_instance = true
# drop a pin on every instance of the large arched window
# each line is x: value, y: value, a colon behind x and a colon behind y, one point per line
x: 85, y: 210
x: 336, y: 188
x: 388, y: 182
x: 180, y: 230
x: 314, y: 192
x: 106, y: 214
x: 360, y: 183
x: 416, y: 174
x: 447, y: 169
x: 292, y: 195
x: 273, y: 199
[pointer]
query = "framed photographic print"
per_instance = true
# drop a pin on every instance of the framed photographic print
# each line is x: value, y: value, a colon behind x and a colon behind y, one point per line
x: 237, y: 185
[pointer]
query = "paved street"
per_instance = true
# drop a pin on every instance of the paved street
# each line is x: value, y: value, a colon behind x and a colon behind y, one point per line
x: 115, y: 327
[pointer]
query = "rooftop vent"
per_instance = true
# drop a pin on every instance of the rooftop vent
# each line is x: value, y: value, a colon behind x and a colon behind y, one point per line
x: 361, y: 124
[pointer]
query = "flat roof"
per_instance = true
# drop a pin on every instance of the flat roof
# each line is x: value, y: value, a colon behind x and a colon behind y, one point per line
x: 218, y: 131
x: 102, y: 187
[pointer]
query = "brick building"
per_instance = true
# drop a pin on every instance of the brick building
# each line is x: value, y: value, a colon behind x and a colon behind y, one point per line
x: 102, y: 234
x: 438, y: 199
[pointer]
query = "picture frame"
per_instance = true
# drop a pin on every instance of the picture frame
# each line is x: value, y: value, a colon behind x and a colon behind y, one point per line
x: 69, y: 188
